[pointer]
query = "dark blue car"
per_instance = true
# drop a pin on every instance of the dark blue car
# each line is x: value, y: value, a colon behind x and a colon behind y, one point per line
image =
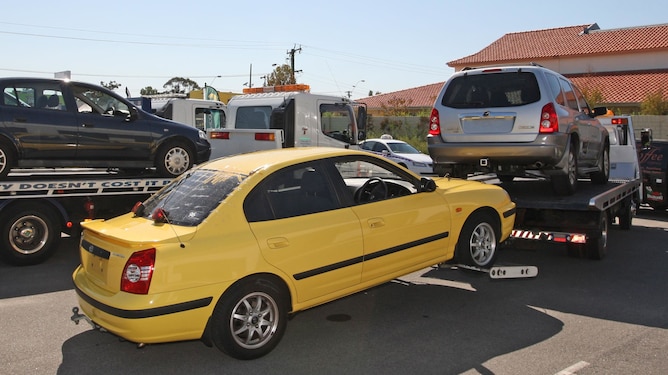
x: 60, y: 123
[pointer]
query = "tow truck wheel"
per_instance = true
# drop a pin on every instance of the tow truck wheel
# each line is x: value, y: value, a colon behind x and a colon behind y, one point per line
x: 29, y: 235
x: 478, y: 241
x: 174, y: 159
x: 598, y: 248
x: 626, y: 215
x: 6, y: 159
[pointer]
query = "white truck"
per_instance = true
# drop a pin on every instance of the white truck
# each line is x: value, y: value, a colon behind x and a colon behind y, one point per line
x: 287, y: 116
x: 202, y: 114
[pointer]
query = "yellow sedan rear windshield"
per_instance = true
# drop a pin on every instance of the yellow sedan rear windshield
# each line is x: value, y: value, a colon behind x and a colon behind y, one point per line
x: 190, y: 199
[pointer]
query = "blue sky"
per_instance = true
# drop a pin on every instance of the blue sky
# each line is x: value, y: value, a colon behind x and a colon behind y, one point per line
x: 357, y: 46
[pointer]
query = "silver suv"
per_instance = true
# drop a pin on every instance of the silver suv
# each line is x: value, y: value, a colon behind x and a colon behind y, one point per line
x: 517, y: 121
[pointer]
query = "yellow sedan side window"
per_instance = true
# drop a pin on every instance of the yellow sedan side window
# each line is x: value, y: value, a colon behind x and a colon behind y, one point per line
x: 293, y: 191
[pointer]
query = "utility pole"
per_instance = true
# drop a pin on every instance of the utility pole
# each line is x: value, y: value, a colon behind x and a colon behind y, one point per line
x: 292, y: 63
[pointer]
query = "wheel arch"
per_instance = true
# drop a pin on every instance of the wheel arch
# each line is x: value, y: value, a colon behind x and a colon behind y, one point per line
x: 12, y: 147
x: 52, y: 207
x: 176, y: 138
x: 494, y: 214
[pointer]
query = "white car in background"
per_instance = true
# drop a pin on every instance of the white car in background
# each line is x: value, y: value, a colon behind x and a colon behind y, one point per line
x: 399, y: 152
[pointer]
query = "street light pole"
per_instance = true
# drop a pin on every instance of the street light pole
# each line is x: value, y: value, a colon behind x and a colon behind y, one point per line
x: 211, y: 84
x: 350, y: 93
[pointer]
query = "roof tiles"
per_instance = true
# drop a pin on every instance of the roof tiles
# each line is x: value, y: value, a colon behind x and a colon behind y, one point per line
x: 569, y: 41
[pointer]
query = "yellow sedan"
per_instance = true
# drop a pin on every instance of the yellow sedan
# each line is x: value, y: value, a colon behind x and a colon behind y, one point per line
x: 228, y: 250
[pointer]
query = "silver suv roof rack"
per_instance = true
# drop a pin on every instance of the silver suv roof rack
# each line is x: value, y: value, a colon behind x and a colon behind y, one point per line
x: 501, y: 65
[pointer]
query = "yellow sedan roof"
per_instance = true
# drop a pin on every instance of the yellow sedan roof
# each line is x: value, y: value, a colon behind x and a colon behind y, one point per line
x: 249, y: 162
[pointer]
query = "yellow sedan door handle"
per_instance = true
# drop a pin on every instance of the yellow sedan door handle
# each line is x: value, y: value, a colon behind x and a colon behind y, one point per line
x: 376, y: 222
x: 278, y: 242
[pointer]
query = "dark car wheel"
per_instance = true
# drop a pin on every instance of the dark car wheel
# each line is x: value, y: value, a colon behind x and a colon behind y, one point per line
x: 250, y: 319
x: 29, y: 235
x: 601, y: 177
x: 566, y: 184
x: 478, y: 241
x: 6, y: 159
x: 174, y: 159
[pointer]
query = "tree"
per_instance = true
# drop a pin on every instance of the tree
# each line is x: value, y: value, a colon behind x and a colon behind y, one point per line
x: 654, y: 104
x: 593, y: 96
x: 282, y: 75
x: 148, y: 90
x: 180, y: 85
x: 396, y: 107
x: 111, y: 85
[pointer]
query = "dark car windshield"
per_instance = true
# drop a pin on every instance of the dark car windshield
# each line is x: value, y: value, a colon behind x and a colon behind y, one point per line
x: 190, y: 199
x: 490, y: 90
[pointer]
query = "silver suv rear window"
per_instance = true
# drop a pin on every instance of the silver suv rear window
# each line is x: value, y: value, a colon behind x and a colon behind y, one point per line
x: 491, y: 90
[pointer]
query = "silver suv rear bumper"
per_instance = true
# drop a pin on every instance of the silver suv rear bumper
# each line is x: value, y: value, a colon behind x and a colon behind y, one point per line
x: 547, y: 152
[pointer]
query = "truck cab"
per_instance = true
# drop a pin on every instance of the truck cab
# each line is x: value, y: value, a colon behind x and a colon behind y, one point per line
x: 305, y: 119
x: 624, y: 163
x: 205, y: 115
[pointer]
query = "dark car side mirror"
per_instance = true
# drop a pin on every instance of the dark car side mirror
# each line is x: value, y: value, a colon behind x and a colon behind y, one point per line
x: 133, y: 115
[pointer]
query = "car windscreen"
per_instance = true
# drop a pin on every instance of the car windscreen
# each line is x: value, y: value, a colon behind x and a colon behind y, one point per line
x: 190, y: 199
x: 402, y: 148
x: 492, y: 90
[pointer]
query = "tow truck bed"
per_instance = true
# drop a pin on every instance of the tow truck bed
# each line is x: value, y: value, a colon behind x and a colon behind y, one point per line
x: 537, y: 194
x: 580, y: 220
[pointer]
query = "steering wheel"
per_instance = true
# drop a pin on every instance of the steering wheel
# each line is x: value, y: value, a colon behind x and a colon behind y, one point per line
x: 374, y: 189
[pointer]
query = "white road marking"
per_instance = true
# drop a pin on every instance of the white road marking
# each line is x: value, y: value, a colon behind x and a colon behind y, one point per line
x: 573, y: 369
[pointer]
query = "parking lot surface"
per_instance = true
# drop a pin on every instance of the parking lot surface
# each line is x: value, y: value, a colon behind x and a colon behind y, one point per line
x: 577, y: 316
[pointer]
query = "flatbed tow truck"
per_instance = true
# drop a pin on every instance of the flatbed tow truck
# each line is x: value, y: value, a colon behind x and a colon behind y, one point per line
x: 39, y: 206
x: 581, y: 221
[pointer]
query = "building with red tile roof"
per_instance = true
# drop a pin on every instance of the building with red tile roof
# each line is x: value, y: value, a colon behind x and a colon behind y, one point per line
x: 624, y: 65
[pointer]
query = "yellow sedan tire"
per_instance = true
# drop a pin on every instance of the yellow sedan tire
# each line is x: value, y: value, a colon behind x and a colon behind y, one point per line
x: 478, y: 242
x: 250, y: 319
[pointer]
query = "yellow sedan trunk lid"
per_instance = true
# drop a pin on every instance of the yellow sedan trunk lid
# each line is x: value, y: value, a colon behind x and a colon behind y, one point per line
x: 106, y: 246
